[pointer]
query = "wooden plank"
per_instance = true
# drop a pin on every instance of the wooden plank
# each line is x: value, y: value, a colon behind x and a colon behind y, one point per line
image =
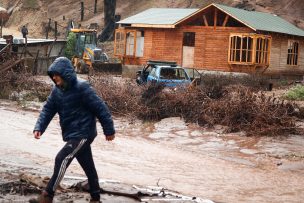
x: 225, y: 21
x: 135, y: 42
x: 205, y: 20
x: 215, y: 18
x: 229, y: 50
x: 234, y: 53
x: 241, y: 50
x: 247, y: 48
x: 262, y: 52
x: 115, y: 42
x: 188, y: 56
x: 153, y: 26
x: 254, y: 44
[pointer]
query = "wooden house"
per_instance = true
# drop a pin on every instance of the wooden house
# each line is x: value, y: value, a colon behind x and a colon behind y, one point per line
x: 215, y: 37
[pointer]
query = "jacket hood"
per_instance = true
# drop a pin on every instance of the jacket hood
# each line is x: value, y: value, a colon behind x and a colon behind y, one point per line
x: 63, y: 67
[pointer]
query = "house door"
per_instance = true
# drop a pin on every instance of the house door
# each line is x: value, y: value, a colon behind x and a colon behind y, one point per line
x: 188, y: 49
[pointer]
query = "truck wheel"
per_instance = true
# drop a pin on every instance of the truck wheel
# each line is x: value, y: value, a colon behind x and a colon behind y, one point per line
x: 82, y: 67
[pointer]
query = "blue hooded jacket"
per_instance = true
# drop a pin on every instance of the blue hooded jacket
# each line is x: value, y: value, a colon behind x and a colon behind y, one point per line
x: 77, y: 105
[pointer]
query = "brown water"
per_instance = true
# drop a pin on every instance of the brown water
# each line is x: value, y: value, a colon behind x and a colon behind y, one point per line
x: 185, y: 158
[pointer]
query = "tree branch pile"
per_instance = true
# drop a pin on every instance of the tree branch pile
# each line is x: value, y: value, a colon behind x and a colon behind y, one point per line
x: 239, y: 107
x: 12, y: 83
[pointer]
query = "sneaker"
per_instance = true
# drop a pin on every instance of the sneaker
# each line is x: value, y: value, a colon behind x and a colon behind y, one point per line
x: 43, y: 198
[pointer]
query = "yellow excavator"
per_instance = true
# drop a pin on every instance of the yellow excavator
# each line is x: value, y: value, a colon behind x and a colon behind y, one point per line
x: 87, y: 55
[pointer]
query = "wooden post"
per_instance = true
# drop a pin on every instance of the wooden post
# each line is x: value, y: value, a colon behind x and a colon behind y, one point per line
x: 205, y: 20
x: 35, y: 64
x: 263, y: 51
x: 95, y: 7
x: 48, y: 29
x: 225, y: 21
x: 253, y: 54
x: 135, y: 44
x: 81, y: 11
x: 56, y: 29
x: 268, y: 51
x: 215, y: 18
x: 241, y: 49
x: 229, y: 49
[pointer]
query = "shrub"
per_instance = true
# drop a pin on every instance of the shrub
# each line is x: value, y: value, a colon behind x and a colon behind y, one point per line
x: 296, y: 93
x: 69, y: 50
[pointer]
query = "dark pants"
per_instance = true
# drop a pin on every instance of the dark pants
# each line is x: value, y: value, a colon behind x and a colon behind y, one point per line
x: 81, y: 149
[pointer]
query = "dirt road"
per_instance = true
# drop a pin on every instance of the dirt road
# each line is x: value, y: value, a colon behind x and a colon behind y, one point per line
x: 185, y: 158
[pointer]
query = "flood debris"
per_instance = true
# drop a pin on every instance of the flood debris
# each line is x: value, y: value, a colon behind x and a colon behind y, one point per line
x: 250, y: 110
x: 239, y: 107
x: 22, y: 87
x: 141, y: 194
x: 29, y: 184
x: 18, y: 187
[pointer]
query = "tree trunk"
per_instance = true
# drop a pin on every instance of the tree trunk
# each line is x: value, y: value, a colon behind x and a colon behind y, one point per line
x: 109, y: 20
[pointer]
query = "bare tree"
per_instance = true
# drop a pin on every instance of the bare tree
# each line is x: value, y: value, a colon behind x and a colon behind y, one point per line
x: 109, y: 20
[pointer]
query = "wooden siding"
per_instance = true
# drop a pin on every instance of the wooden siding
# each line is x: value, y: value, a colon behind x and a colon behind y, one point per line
x: 278, y: 56
x: 211, y: 46
x: 211, y: 49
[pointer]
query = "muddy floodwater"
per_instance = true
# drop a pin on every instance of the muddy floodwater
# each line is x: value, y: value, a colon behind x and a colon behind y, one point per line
x: 186, y: 158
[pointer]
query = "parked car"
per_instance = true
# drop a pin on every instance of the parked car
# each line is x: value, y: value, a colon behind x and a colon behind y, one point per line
x: 167, y: 73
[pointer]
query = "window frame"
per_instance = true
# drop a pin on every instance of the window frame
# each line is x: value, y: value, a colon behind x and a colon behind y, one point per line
x: 120, y: 42
x: 257, y: 47
x: 291, y: 56
x: 130, y: 42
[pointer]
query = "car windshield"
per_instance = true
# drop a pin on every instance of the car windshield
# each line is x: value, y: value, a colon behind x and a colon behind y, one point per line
x: 172, y: 73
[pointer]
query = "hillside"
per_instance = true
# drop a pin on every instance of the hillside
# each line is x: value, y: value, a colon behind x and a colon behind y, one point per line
x: 35, y: 13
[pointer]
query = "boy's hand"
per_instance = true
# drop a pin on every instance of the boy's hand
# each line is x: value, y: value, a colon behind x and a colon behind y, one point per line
x: 37, y: 134
x: 110, y: 137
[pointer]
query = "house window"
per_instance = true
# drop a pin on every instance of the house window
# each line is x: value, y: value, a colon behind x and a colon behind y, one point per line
x: 293, y: 52
x: 241, y: 49
x: 262, y: 50
x: 129, y: 43
x: 119, y: 43
x: 189, y: 39
x: 249, y: 49
x: 140, y: 40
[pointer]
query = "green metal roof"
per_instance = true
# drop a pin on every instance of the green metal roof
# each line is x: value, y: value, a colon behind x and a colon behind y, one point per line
x: 262, y: 21
x: 159, y: 16
x: 258, y: 21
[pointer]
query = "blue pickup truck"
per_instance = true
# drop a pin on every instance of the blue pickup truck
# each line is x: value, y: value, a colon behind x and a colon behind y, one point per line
x: 167, y: 73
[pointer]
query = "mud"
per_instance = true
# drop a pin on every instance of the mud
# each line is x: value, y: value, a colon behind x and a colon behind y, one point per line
x: 186, y: 158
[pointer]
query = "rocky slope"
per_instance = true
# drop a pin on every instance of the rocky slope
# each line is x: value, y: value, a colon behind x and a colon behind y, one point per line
x: 35, y: 13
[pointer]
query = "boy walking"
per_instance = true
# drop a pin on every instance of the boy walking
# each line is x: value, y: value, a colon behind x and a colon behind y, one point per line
x: 78, y: 107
